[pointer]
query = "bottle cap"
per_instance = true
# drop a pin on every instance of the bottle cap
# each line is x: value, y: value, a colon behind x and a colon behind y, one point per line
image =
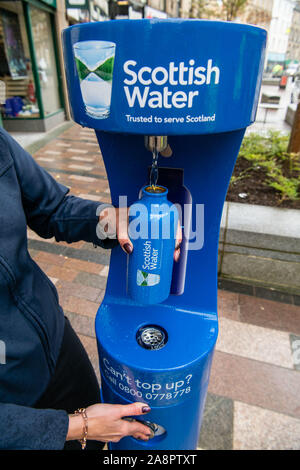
x: 155, y: 190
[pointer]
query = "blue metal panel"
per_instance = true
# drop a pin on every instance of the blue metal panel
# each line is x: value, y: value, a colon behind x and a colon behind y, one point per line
x: 227, y: 85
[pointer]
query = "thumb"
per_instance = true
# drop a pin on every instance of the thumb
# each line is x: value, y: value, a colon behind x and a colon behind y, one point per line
x: 126, y: 245
x: 134, y: 409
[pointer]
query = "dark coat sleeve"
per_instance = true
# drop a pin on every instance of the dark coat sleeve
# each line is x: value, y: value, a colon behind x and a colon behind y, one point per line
x: 24, y: 428
x: 49, y: 211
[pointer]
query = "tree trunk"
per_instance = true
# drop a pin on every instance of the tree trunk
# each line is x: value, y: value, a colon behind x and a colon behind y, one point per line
x: 294, y: 143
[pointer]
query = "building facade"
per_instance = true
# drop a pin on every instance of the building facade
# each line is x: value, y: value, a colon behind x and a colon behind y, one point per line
x: 279, y: 32
x: 29, y: 66
x: 293, y: 49
x: 258, y: 12
x: 172, y: 8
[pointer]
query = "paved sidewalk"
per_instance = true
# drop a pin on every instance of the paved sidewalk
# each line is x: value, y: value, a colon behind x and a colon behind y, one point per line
x: 273, y: 119
x: 253, y: 400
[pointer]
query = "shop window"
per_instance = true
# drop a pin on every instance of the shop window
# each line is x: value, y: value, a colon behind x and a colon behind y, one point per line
x: 18, y: 98
x: 45, y: 58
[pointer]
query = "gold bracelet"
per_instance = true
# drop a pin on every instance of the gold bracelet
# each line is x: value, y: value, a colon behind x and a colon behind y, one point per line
x: 82, y: 412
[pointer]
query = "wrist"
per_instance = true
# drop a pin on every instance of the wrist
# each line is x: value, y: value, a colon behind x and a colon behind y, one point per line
x: 106, y: 227
x: 103, y: 209
x: 75, y: 428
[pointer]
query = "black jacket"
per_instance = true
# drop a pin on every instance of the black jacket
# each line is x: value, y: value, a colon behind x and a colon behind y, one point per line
x: 31, y: 320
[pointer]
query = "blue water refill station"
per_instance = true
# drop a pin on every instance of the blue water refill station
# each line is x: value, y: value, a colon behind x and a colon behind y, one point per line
x: 185, y: 90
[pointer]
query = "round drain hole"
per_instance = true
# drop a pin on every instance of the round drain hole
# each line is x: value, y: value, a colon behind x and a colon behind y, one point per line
x: 152, y: 337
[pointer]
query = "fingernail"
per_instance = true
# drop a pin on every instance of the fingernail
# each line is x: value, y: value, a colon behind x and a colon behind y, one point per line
x: 177, y: 255
x: 128, y: 248
x: 146, y: 409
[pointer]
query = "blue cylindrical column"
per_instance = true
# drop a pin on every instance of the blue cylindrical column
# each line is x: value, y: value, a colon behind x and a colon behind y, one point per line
x: 172, y: 379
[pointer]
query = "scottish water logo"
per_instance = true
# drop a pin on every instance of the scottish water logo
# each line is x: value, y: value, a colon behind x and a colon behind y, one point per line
x: 186, y: 77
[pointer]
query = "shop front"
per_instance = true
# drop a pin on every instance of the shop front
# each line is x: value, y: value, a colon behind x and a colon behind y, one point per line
x: 29, y: 67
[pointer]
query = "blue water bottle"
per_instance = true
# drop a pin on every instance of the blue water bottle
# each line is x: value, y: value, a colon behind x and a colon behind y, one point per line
x: 153, y: 222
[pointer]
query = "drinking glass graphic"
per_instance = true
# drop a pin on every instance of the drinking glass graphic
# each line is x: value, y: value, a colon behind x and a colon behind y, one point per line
x: 95, y: 62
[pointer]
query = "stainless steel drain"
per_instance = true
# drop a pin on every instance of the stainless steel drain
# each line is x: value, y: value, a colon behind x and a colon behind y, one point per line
x: 152, y: 337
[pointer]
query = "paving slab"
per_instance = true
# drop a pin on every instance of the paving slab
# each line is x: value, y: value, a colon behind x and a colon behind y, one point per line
x: 260, y: 429
x: 264, y: 220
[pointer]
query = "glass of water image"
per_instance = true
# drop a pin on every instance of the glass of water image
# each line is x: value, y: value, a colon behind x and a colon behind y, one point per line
x: 95, y: 62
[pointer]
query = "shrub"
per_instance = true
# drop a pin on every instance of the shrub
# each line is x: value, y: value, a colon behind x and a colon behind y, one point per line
x: 269, y: 154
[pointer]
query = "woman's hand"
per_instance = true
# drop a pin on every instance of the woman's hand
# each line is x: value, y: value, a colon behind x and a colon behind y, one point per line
x: 106, y: 423
x: 115, y: 220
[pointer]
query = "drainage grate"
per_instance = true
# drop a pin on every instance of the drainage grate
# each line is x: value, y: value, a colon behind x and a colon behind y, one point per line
x: 152, y: 337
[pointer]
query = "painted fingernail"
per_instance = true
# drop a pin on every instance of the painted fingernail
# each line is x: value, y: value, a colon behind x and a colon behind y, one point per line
x: 128, y: 248
x: 146, y: 409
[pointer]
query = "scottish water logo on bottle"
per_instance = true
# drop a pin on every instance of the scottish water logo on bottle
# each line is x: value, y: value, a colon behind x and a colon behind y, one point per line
x: 95, y: 62
x: 147, y: 279
x: 153, y: 222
